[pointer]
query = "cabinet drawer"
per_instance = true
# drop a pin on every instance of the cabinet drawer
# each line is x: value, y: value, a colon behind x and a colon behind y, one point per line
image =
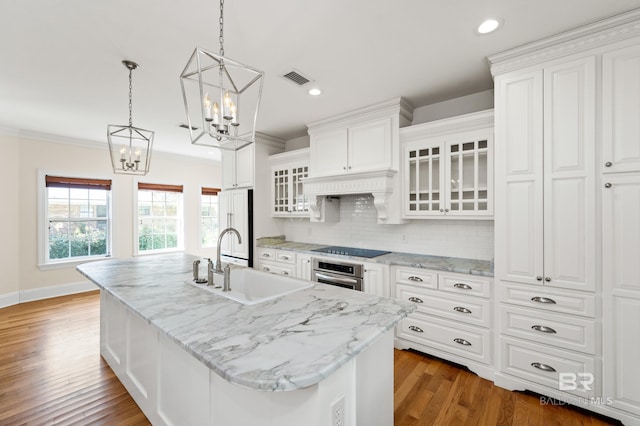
x: 285, y: 256
x: 466, y: 309
x: 277, y: 269
x: 552, y: 329
x: 465, y: 284
x: 466, y: 341
x: 267, y: 253
x: 543, y: 365
x: 417, y: 277
x: 548, y: 299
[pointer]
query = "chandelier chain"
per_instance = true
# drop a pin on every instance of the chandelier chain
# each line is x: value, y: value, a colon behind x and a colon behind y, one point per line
x: 130, y: 100
x: 221, y: 20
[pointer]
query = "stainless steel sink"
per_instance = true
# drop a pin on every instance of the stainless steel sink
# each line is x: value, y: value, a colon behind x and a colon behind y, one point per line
x: 250, y: 287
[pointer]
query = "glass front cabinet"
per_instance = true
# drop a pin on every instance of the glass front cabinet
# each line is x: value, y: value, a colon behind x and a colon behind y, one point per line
x: 288, y: 170
x: 448, y: 175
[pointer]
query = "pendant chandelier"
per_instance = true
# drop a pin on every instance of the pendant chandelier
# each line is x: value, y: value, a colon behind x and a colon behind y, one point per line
x: 130, y: 147
x: 221, y: 97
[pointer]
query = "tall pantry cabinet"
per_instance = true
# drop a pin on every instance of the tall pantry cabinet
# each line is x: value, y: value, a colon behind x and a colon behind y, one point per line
x: 567, y: 217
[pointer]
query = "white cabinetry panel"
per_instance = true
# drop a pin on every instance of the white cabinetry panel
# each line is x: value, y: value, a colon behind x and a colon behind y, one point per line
x: 370, y: 146
x: 114, y: 326
x: 328, y: 153
x: 141, y: 356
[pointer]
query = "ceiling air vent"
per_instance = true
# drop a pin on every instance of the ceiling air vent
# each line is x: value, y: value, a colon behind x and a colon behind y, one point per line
x: 296, y: 77
x: 186, y: 126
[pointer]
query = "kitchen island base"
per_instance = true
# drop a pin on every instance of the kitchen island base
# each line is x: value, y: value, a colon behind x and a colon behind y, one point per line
x: 172, y: 387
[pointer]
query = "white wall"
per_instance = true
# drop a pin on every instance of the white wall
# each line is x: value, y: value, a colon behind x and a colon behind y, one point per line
x: 9, y: 220
x: 33, y: 153
x: 463, y: 105
x: 358, y: 227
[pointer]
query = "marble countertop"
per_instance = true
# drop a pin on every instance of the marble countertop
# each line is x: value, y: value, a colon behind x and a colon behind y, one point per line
x: 289, y: 343
x: 438, y: 263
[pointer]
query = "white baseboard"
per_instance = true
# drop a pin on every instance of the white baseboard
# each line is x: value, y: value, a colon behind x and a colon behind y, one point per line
x: 9, y: 299
x: 56, y: 290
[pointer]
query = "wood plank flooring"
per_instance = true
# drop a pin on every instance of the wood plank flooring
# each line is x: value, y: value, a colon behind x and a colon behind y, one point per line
x: 51, y: 372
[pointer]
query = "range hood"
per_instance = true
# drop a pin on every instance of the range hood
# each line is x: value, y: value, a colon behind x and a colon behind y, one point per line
x: 381, y: 184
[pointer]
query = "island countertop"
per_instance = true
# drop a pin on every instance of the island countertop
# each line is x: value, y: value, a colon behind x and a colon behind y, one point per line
x: 289, y: 343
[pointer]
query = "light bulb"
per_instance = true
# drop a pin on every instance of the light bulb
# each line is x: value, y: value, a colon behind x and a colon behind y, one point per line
x: 206, y: 106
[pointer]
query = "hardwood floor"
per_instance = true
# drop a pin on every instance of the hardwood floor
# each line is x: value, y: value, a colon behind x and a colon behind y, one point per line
x: 51, y: 372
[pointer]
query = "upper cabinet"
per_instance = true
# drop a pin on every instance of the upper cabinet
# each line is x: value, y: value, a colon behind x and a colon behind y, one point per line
x: 621, y: 110
x: 362, y: 147
x: 448, y: 168
x: 238, y: 168
x: 288, y: 170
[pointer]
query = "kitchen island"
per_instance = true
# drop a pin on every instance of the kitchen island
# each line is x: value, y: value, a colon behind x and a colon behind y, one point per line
x: 188, y: 356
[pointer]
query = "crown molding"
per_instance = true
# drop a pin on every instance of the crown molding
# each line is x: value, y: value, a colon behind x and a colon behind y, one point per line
x: 607, y: 31
x: 467, y: 122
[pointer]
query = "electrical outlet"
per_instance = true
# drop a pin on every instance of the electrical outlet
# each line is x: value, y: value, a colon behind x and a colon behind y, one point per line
x: 337, y: 412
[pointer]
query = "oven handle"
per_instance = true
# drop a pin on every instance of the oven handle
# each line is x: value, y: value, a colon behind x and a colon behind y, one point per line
x: 333, y: 278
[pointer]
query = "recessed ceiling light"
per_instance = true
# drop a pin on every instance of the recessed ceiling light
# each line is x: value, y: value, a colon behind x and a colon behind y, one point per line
x: 489, y: 26
x: 315, y: 91
x: 211, y: 152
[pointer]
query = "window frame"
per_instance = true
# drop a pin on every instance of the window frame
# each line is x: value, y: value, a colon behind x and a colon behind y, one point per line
x: 136, y: 219
x: 44, y: 263
x: 201, y: 193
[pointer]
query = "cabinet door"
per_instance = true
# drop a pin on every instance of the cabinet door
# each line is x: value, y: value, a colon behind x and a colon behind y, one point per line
x: 328, y: 153
x: 303, y: 269
x: 621, y: 289
x: 423, y: 175
x: 280, y: 191
x: 245, y: 167
x: 376, y: 279
x: 569, y: 174
x: 370, y: 146
x: 621, y: 109
x: 519, y: 185
x: 299, y: 203
x: 469, y: 174
x: 228, y: 169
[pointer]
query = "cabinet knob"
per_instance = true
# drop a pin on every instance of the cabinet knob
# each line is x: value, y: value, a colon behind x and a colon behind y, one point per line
x: 547, y: 279
x: 543, y: 367
x: 344, y: 168
x: 539, y: 278
x: 607, y: 185
x: 608, y: 164
x: 349, y: 167
x: 446, y: 210
x: 441, y: 210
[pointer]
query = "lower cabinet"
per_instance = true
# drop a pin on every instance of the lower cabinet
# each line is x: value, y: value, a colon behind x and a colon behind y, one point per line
x: 453, y: 318
x: 303, y: 266
x: 279, y: 262
x: 376, y: 279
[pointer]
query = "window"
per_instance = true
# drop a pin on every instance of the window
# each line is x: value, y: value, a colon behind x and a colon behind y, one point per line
x: 209, y: 217
x: 159, y: 217
x: 77, y: 217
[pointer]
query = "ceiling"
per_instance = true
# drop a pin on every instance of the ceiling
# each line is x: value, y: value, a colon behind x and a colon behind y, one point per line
x: 61, y: 71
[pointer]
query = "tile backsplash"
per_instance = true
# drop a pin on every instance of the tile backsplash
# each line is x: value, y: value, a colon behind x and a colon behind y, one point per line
x: 358, y: 227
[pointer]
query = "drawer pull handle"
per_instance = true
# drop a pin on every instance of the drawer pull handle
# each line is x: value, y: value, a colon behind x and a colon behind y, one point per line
x: 285, y: 273
x: 284, y: 257
x: 543, y: 329
x: 463, y: 286
x: 415, y: 299
x: 416, y: 329
x: 266, y: 255
x: 543, y: 300
x: 264, y: 268
x: 414, y: 278
x: 462, y: 342
x: 543, y: 367
x: 461, y: 309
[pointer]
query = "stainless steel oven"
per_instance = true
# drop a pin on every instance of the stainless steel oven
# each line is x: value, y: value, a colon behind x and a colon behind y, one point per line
x: 338, y: 273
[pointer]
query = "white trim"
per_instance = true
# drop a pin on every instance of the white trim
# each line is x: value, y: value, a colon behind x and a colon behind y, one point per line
x: 9, y: 299
x: 43, y: 264
x: 9, y: 131
x: 56, y: 291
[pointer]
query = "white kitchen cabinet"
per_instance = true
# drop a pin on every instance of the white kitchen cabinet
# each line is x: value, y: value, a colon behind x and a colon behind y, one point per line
x: 621, y: 288
x: 621, y: 110
x: 288, y: 170
x: 453, y: 319
x: 238, y: 168
x: 234, y: 213
x: 279, y: 262
x: 303, y: 266
x: 376, y: 279
x: 449, y: 171
x: 360, y: 147
x: 545, y: 174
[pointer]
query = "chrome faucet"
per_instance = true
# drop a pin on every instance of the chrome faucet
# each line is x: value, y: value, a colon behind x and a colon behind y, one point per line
x: 224, y: 231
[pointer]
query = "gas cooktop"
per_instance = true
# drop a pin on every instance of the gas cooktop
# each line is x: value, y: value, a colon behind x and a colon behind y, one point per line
x: 351, y: 251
